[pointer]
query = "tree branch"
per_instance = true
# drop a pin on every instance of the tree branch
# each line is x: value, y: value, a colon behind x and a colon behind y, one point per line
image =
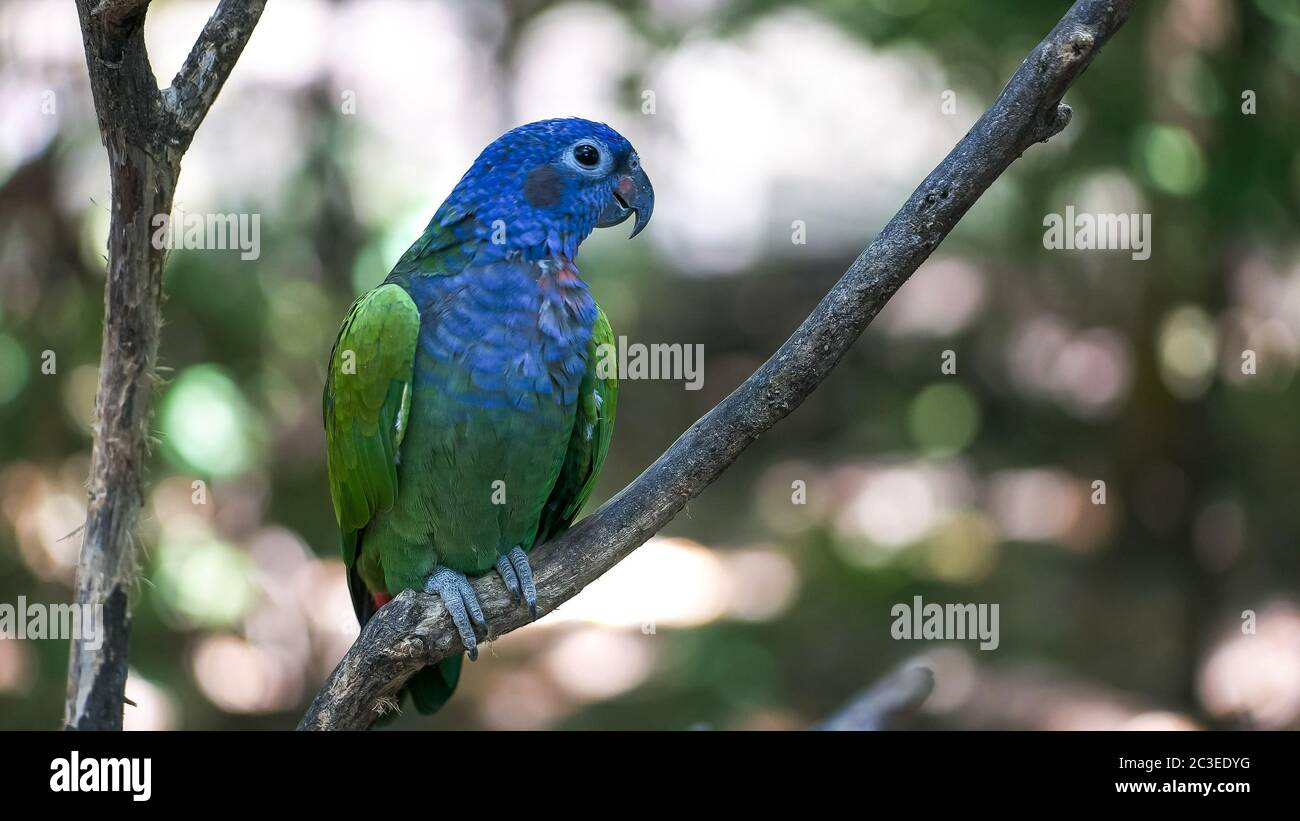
x: 144, y: 157
x: 897, y: 694
x: 208, y: 65
x: 114, y: 11
x: 414, y: 629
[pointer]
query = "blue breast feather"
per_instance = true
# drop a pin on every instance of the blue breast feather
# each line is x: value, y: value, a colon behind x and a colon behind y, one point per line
x: 508, y: 334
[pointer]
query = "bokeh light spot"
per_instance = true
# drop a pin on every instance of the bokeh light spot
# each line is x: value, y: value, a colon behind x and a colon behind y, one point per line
x: 209, y: 583
x: 13, y: 369
x: 207, y: 424
x: 1173, y: 160
x: 943, y: 419
x: 1187, y: 348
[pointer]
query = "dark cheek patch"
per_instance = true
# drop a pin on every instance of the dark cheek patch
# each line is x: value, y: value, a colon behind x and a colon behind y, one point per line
x: 543, y: 187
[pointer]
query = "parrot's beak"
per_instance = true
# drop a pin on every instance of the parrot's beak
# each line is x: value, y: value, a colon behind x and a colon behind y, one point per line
x: 632, y: 192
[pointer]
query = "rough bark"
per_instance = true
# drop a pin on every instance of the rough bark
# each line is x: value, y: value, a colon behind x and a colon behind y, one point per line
x: 145, y: 132
x: 414, y: 629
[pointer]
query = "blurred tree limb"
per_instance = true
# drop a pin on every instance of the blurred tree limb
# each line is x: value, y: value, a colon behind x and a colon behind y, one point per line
x: 146, y: 132
x: 898, y: 694
x: 414, y: 630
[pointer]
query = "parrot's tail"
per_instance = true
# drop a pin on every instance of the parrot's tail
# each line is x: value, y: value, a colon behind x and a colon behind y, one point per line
x: 431, y: 687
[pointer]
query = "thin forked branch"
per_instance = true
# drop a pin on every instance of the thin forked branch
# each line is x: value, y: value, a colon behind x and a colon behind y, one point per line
x: 205, y: 70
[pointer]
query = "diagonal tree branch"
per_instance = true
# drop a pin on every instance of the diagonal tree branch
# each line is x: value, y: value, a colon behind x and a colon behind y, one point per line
x: 145, y: 139
x: 898, y: 694
x: 414, y: 629
x: 208, y: 65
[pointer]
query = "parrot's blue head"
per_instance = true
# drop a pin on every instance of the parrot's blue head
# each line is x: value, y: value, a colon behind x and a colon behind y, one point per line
x: 539, y: 190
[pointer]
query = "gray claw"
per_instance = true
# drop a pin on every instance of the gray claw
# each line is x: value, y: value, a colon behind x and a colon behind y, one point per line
x: 519, y: 559
x: 458, y: 596
x: 472, y: 604
x: 510, y: 578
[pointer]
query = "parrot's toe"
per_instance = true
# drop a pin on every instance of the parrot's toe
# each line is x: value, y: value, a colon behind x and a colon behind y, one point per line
x: 524, y: 572
x: 466, y: 612
x: 510, y: 577
x: 518, y: 577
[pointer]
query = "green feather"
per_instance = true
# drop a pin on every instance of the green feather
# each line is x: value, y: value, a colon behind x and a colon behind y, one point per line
x: 592, y: 431
x: 366, y: 406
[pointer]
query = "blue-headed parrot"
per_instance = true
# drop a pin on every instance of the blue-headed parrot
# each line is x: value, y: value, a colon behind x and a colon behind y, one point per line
x: 466, y: 419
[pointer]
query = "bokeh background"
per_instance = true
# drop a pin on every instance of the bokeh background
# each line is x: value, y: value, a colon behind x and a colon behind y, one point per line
x: 346, y: 123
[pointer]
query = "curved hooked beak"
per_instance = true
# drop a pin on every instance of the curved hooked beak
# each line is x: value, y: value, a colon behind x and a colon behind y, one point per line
x: 632, y: 192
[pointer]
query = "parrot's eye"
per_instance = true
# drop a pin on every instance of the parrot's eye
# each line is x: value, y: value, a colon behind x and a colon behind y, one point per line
x: 586, y: 155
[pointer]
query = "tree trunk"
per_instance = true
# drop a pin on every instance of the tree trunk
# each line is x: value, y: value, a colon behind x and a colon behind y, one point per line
x: 146, y: 133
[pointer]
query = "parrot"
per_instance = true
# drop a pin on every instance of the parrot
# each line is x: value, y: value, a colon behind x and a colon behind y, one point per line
x: 466, y: 416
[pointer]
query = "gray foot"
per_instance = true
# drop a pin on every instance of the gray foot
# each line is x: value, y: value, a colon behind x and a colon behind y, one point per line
x: 518, y: 576
x: 455, y: 591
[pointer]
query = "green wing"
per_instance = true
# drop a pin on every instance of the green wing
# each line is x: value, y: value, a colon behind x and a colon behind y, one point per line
x: 366, y: 404
x: 592, y: 431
